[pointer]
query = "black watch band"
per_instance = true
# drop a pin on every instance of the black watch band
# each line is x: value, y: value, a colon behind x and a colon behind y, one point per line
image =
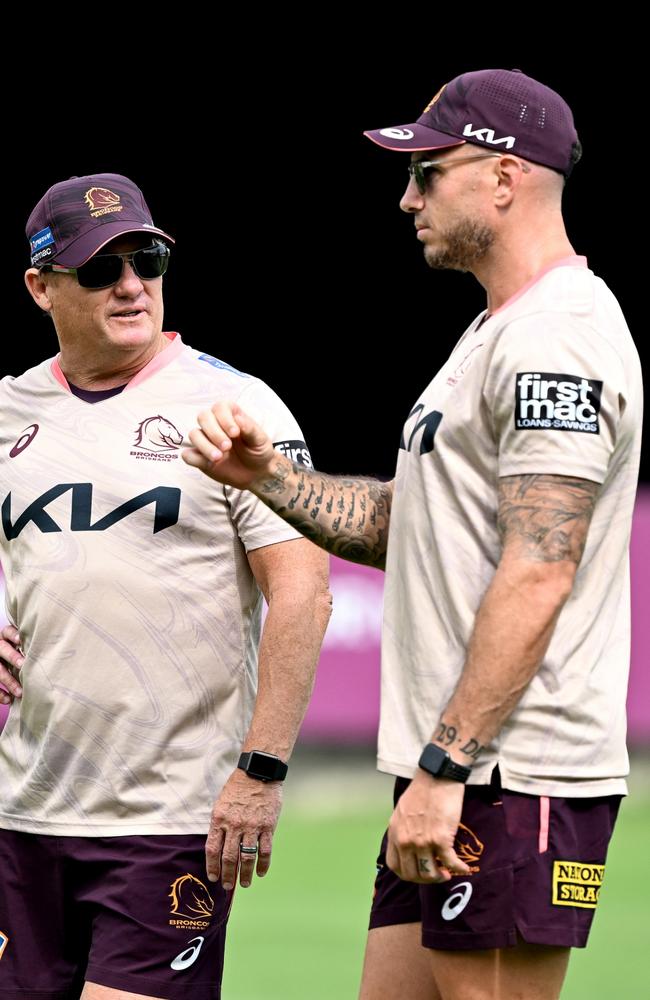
x: 439, y: 764
x: 263, y: 766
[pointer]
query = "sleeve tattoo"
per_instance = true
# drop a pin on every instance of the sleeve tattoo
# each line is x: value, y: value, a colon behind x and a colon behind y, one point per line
x: 347, y: 517
x: 546, y: 518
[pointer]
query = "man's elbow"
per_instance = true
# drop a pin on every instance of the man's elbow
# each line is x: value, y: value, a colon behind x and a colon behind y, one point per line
x: 551, y: 582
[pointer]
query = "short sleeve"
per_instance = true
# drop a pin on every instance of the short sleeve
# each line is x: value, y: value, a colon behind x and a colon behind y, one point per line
x: 555, y: 389
x: 256, y: 523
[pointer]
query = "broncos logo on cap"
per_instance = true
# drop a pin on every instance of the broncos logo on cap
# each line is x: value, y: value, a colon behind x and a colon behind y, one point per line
x: 157, y: 434
x: 100, y: 198
x: 190, y: 898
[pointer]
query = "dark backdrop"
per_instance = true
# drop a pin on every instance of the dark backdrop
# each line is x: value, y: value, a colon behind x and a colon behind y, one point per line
x: 293, y: 261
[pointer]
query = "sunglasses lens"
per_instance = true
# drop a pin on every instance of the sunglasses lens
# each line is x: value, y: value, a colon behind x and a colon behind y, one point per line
x: 100, y: 271
x: 105, y: 269
x: 417, y: 172
x: 151, y: 262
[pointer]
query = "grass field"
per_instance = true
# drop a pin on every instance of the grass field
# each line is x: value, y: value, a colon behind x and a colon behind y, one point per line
x: 299, y: 934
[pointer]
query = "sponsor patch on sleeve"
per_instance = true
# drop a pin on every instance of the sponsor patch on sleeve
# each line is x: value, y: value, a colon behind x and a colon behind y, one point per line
x: 217, y: 363
x: 577, y: 884
x: 557, y: 402
x: 295, y: 451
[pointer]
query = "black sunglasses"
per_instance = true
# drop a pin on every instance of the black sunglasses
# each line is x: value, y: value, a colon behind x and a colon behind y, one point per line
x: 106, y: 269
x: 420, y: 169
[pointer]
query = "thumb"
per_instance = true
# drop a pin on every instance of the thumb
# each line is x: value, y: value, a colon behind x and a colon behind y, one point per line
x: 250, y: 433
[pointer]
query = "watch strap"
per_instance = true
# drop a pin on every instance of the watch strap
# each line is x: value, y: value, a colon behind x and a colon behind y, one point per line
x: 437, y: 762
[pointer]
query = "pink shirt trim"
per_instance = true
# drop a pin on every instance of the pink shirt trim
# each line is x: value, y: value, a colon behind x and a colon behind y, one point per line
x: 161, y: 360
x: 573, y: 261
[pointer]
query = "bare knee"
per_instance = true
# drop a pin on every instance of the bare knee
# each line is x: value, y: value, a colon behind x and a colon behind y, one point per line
x: 523, y: 972
x: 397, y: 965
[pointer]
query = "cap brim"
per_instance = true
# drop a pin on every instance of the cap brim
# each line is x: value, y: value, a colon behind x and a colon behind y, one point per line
x: 83, y: 248
x: 413, y: 138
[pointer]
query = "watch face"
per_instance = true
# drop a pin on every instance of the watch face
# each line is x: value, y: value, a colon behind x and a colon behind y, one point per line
x: 265, y: 765
x: 433, y: 758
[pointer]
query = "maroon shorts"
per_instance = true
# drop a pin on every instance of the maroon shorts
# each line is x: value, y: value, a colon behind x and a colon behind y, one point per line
x: 132, y: 913
x: 536, y: 867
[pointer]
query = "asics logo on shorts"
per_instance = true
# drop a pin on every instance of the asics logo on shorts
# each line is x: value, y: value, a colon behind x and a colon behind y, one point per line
x: 189, y: 956
x: 4, y: 941
x: 456, y: 903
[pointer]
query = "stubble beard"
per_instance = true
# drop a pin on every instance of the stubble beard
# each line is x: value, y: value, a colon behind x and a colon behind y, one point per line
x: 463, y: 245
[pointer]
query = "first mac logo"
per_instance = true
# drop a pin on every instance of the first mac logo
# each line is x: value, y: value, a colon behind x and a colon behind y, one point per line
x: 557, y: 402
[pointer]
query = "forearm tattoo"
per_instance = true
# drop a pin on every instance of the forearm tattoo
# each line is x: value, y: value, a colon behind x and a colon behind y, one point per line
x: 347, y: 517
x: 546, y: 516
x: 449, y: 736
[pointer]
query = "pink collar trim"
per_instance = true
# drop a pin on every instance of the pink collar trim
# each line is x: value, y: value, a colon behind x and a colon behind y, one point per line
x: 160, y: 361
x: 573, y: 261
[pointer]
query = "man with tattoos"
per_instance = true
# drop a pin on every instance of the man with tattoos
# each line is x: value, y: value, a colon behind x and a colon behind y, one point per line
x: 506, y: 621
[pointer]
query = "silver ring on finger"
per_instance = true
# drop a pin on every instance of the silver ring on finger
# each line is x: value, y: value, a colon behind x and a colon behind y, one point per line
x: 247, y: 850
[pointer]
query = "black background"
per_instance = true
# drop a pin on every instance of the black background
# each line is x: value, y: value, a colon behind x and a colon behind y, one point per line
x: 293, y: 261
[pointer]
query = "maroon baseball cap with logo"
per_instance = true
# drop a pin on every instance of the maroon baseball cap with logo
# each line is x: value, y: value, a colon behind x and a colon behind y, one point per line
x: 498, y: 109
x: 77, y: 217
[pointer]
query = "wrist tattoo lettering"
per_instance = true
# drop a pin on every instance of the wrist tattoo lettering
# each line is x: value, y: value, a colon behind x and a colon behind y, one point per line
x: 448, y: 735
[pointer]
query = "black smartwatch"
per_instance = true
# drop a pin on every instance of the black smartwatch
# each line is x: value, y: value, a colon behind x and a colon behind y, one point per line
x: 439, y: 764
x: 263, y: 766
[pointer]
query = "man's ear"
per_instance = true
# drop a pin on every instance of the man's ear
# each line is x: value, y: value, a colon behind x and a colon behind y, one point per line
x: 38, y: 288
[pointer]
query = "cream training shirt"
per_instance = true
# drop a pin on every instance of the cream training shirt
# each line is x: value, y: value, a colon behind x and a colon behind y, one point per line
x: 549, y: 384
x: 126, y: 574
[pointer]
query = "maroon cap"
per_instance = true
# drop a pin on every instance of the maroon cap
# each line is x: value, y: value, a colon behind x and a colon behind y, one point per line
x: 498, y: 109
x: 77, y: 217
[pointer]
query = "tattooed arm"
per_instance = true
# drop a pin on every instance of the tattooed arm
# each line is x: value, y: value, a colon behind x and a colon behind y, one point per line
x: 543, y: 522
x: 347, y: 517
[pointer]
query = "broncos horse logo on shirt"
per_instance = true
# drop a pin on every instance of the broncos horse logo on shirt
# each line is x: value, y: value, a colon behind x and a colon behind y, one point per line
x: 157, y: 434
x: 190, y: 898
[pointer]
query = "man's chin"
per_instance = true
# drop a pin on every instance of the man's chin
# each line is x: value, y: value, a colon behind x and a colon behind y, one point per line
x: 136, y: 329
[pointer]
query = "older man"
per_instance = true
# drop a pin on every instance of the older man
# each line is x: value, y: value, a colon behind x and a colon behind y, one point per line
x: 140, y: 720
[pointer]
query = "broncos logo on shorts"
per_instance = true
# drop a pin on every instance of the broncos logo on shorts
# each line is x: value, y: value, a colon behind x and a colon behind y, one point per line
x: 190, y: 898
x: 467, y: 845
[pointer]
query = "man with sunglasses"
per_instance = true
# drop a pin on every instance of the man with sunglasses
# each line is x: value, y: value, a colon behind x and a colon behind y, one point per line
x: 140, y: 720
x: 506, y: 621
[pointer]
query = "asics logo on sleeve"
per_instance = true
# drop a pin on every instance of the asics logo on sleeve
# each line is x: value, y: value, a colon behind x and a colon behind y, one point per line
x: 188, y: 956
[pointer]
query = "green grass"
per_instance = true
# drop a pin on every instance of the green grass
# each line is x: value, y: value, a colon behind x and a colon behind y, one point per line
x: 616, y: 962
x: 299, y: 933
